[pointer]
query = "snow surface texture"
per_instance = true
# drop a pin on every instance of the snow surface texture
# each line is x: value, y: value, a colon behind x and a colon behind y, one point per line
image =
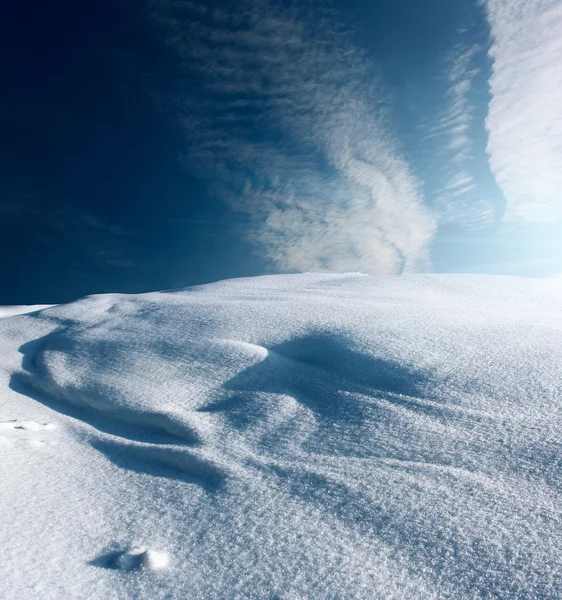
x: 309, y: 436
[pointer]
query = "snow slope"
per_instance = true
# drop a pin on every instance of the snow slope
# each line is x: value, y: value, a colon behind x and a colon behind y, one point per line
x: 307, y: 436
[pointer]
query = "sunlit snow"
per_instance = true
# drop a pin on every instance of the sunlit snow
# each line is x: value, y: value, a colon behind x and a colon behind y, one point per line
x: 307, y: 436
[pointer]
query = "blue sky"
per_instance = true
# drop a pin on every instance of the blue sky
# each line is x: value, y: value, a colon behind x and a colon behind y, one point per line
x: 153, y: 145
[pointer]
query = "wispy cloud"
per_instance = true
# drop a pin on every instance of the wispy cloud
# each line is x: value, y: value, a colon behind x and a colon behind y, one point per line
x: 459, y: 199
x: 457, y: 119
x: 282, y: 111
x: 525, y: 114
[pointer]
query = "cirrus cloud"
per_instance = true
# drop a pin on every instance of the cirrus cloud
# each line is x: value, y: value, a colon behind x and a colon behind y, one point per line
x: 283, y: 113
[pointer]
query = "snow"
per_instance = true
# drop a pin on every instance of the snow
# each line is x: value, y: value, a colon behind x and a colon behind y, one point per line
x: 306, y: 436
x: 13, y: 310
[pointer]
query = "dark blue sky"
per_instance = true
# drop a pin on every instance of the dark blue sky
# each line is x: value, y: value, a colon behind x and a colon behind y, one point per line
x: 93, y: 195
x: 153, y: 146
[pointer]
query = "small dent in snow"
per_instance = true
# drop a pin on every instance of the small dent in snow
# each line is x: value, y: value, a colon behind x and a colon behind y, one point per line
x: 25, y: 425
x: 16, y: 432
x: 132, y: 560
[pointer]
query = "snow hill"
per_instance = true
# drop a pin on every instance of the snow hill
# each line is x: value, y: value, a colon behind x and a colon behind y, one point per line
x: 307, y: 436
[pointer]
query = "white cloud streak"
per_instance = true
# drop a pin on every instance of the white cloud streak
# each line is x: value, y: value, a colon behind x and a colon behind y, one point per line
x: 458, y: 118
x: 287, y: 122
x: 455, y: 122
x: 459, y: 200
x: 525, y: 114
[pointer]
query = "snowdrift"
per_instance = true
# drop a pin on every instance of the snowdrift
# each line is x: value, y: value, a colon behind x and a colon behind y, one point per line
x: 307, y: 436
